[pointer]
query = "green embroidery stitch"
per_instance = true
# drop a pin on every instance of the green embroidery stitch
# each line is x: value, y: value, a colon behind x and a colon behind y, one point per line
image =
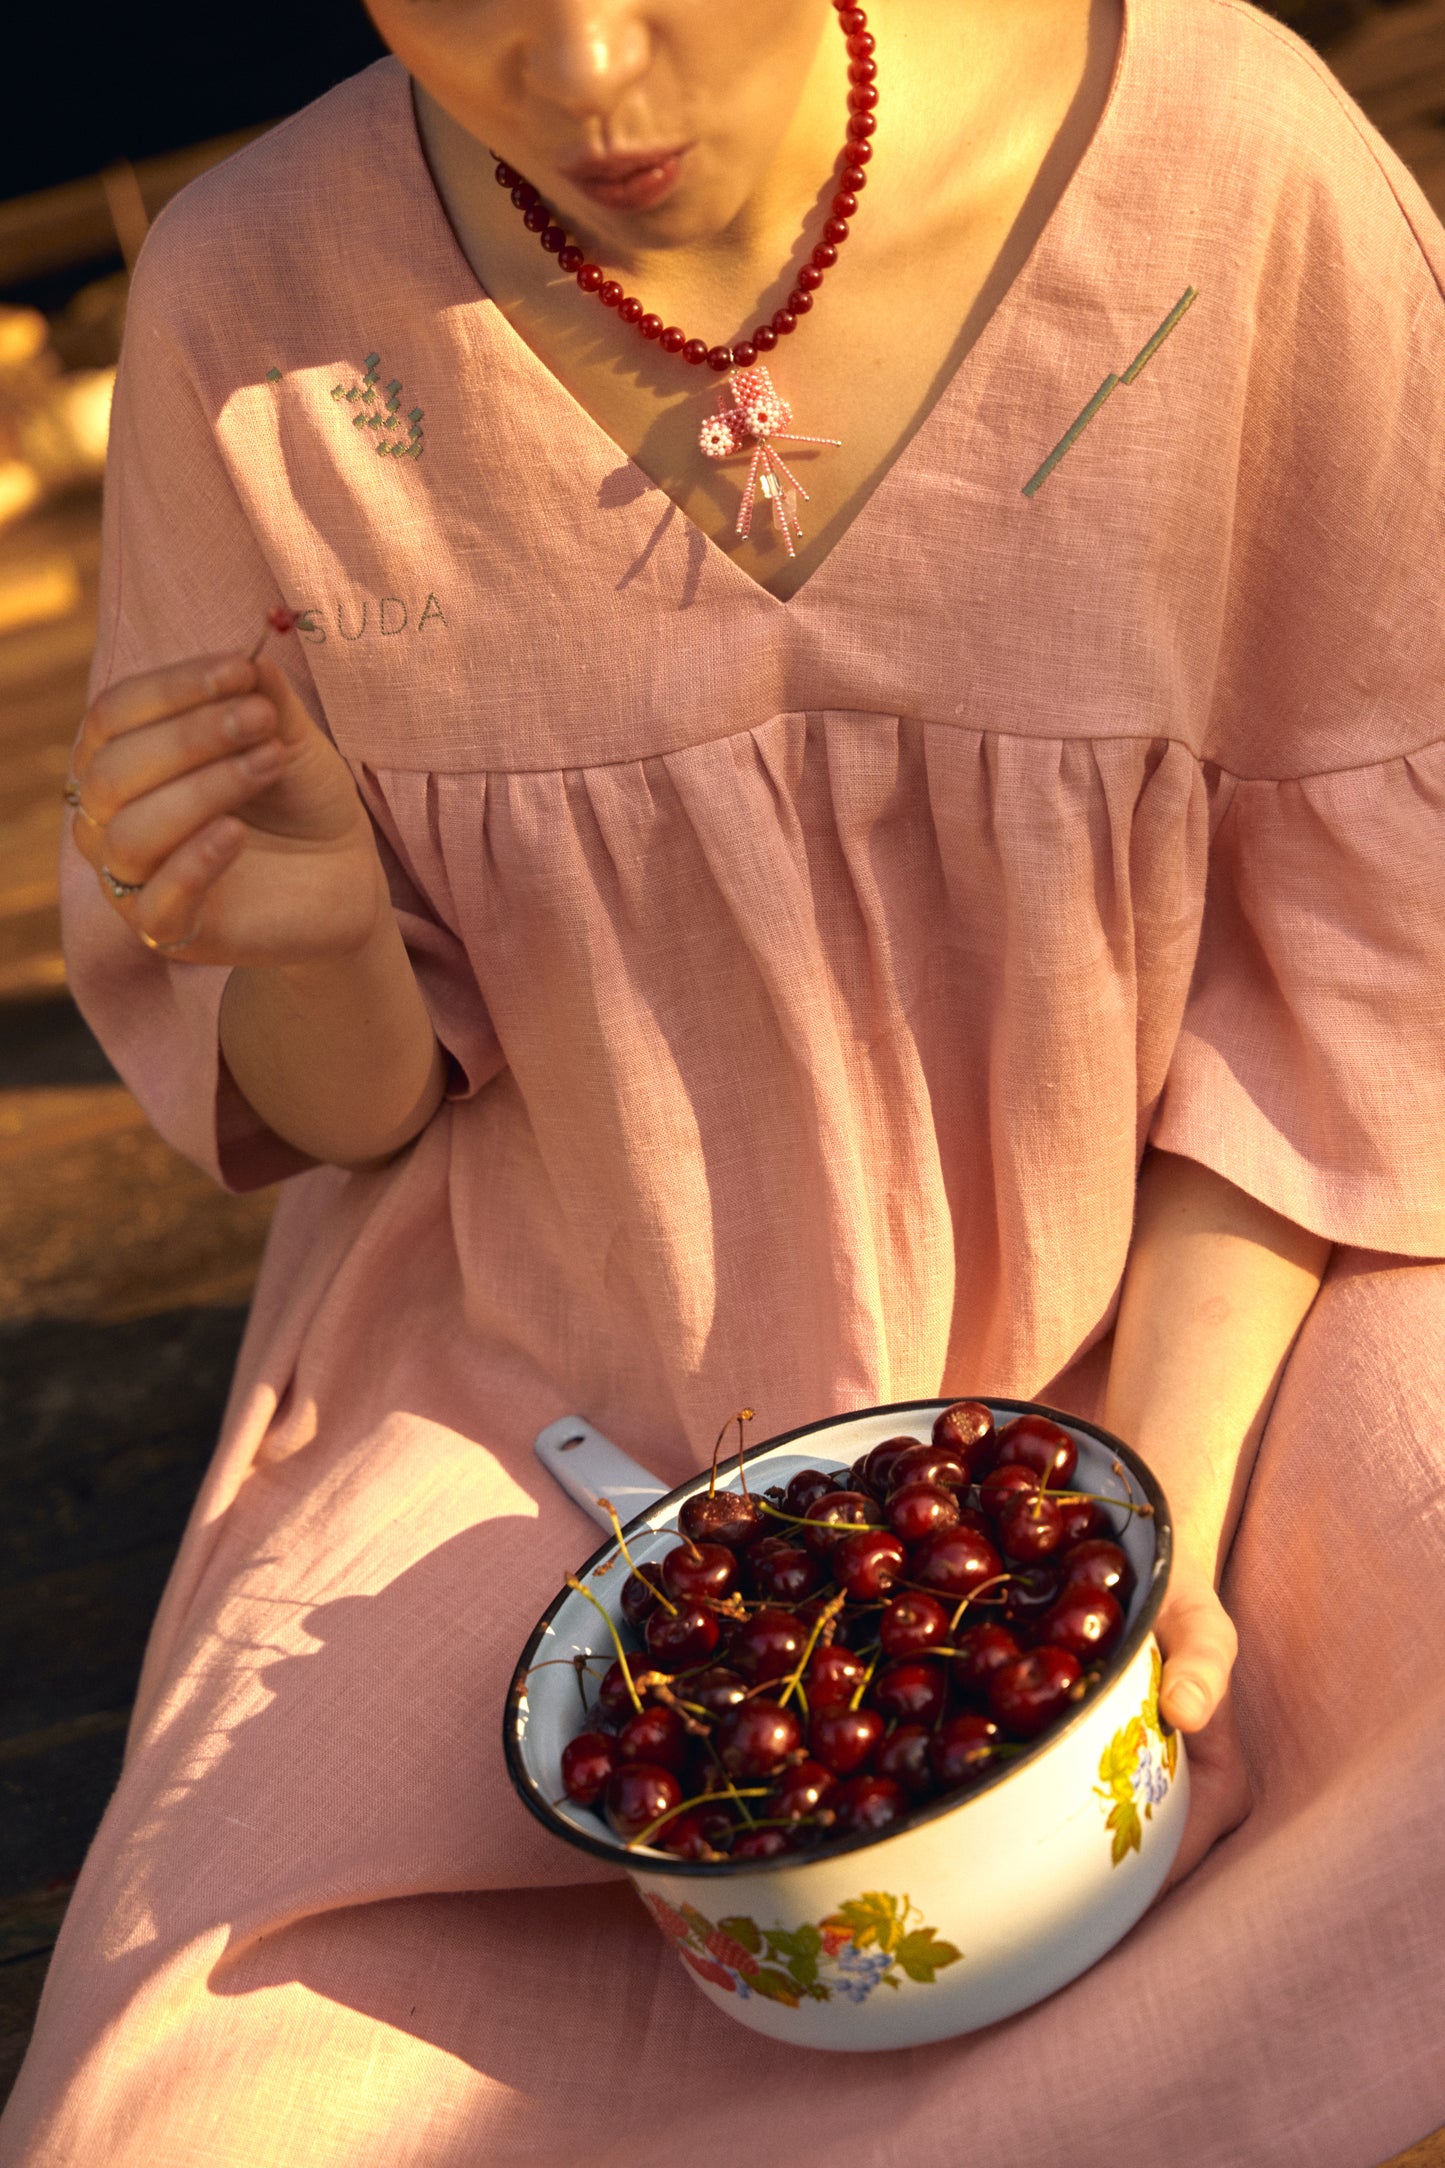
x: 273, y: 376
x: 382, y: 412
x: 1075, y: 429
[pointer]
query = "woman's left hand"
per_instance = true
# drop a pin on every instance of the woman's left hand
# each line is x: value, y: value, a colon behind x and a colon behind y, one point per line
x: 1199, y: 1645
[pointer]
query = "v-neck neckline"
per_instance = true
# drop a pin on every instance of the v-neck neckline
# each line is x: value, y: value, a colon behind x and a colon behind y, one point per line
x: 532, y: 362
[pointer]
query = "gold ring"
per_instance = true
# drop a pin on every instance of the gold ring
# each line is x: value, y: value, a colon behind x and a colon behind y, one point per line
x: 164, y: 948
x: 71, y: 792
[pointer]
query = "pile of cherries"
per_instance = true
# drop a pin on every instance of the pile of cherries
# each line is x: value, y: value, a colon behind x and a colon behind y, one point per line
x: 819, y: 1661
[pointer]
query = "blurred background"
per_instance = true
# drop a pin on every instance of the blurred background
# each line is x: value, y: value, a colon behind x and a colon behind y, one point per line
x: 124, y: 1275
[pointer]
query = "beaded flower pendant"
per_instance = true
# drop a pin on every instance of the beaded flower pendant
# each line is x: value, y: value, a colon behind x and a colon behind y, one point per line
x: 751, y: 411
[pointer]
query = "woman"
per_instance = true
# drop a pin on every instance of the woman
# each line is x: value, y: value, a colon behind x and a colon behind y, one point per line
x: 974, y: 930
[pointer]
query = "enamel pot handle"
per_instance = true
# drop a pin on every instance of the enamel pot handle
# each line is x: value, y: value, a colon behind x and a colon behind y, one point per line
x: 589, y: 1466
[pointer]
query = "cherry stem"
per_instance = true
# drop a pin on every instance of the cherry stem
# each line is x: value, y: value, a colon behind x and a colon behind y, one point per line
x: 703, y: 1799
x: 745, y: 1415
x: 992, y: 1582
x: 865, y: 1682
x: 574, y: 1583
x: 800, y: 1520
x: 611, y: 1511
x: 830, y: 1610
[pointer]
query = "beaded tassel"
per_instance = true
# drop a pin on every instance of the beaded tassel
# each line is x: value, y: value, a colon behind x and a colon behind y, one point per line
x: 756, y: 415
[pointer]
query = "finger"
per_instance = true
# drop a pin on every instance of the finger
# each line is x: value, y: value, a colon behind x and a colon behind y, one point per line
x: 146, y: 758
x: 171, y: 906
x: 1199, y: 1644
x: 145, y: 833
x: 153, y: 696
x: 1220, y: 1794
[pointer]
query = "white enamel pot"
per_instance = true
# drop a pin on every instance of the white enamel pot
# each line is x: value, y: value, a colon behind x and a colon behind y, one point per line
x: 979, y: 1905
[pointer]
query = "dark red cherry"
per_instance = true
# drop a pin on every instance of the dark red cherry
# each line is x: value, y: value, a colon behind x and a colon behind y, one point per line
x: 1084, y: 1520
x: 868, y: 1804
x: 879, y: 1462
x: 914, y: 1691
x: 639, y: 1593
x: 966, y: 1428
x: 761, y: 1844
x: 716, y: 1690
x: 703, y: 1833
x: 699, y: 1572
x: 1032, y: 1441
x: 768, y: 1645
x: 833, y: 1677
x: 1030, y: 1528
x: 828, y: 1519
x: 843, y: 1740
x: 755, y: 1739
x: 587, y: 1763
x: 1027, y: 1594
x: 1002, y: 1485
x: 678, y: 1639
x: 1087, y: 1622
x: 963, y: 1749
x: 1025, y: 1695
x: 783, y: 1572
x: 612, y: 1696
x: 981, y: 1649
x: 927, y: 1464
x: 911, y: 1623
x: 903, y: 1757
x: 917, y: 1510
x: 727, y: 1518
x: 1099, y: 1564
x: 806, y: 1485
x: 860, y: 1480
x: 800, y: 1790
x: 955, y: 1561
x: 867, y: 1564
x: 637, y: 1794
x: 655, y: 1735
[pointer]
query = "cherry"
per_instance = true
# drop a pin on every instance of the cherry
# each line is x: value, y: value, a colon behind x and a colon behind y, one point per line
x: 928, y: 1464
x: 916, y: 1510
x: 1028, y: 1692
x: 955, y: 1561
x: 677, y: 1639
x: 808, y: 1484
x: 868, y: 1803
x: 1028, y: 1595
x: 800, y: 1790
x: 638, y: 1794
x: 717, y: 1690
x: 833, y: 1677
x: 587, y: 1763
x: 761, y: 1844
x: 903, y: 1757
x: 914, y: 1690
x: 1084, y: 1520
x: 828, y: 1519
x: 612, y: 1695
x: 655, y: 1735
x: 1087, y: 1622
x: 979, y: 1652
x: 1032, y: 1441
x: 699, y: 1572
x: 911, y: 1623
x: 966, y: 1428
x: 962, y: 1749
x: 860, y: 1480
x: 1005, y: 1483
x: 756, y: 1738
x: 703, y: 1833
x: 726, y: 1517
x: 1099, y: 1564
x: 867, y: 1564
x: 879, y: 1463
x: 768, y: 1645
x: 1030, y: 1527
x: 639, y: 1593
x: 844, y: 1739
x: 782, y: 1571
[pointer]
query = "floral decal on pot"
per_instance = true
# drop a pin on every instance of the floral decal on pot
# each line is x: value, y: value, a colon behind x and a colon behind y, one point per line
x: 869, y: 1942
x: 1137, y: 1768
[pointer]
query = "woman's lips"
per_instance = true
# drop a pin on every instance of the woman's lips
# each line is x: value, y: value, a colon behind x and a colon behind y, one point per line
x: 640, y: 191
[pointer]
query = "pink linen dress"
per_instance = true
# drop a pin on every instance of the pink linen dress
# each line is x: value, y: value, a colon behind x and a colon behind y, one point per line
x: 812, y: 975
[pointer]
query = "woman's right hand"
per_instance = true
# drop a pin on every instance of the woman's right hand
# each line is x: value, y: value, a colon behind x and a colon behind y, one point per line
x: 209, y: 784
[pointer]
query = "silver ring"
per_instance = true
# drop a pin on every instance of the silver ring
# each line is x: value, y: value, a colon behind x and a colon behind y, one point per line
x: 120, y: 888
x: 71, y: 792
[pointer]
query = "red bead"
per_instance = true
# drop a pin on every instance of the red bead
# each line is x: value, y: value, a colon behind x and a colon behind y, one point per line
x: 863, y: 71
x: 630, y: 310
x: 858, y: 154
x: 537, y: 219
x: 800, y: 301
x: 825, y: 256
x: 845, y: 204
x: 506, y: 176
x: 784, y: 321
x: 836, y: 231
x: 853, y: 20
x: 590, y: 277
x: 765, y: 338
x: 554, y: 240
x: 862, y: 100
x: 810, y: 278
x: 745, y: 355
x: 861, y: 44
x: 610, y: 293
x: 651, y: 327
x: 524, y: 195
x: 719, y: 358
x: 674, y: 340
x: 572, y: 257
x: 695, y: 352
x: 862, y: 124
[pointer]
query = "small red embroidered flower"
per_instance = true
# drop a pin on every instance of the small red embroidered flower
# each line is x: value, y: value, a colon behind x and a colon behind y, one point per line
x: 278, y: 620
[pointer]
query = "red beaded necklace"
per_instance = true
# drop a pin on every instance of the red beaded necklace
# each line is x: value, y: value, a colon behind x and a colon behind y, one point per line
x: 751, y: 413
